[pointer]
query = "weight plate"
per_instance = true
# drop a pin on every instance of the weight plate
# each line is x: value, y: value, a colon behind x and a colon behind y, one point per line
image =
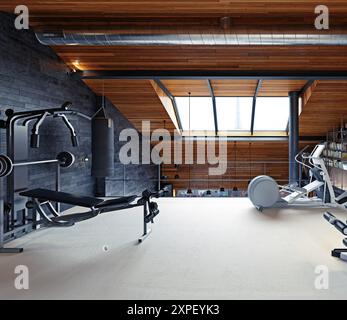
x: 6, y: 165
x: 66, y: 159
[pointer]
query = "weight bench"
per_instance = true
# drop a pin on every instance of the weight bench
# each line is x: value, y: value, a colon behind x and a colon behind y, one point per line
x: 41, y: 202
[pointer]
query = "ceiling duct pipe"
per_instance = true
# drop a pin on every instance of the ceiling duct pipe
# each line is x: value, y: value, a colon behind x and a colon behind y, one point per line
x: 60, y: 38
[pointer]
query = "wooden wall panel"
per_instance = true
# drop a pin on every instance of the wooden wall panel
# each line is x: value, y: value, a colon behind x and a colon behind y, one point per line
x: 243, y: 165
x: 326, y: 109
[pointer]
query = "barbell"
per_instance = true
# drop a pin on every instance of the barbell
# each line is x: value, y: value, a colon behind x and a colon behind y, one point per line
x: 65, y: 159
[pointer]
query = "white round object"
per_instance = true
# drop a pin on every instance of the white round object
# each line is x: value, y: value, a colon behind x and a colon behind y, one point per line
x: 263, y: 191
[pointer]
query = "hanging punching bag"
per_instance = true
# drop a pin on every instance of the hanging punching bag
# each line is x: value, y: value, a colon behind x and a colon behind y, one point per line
x: 102, y: 146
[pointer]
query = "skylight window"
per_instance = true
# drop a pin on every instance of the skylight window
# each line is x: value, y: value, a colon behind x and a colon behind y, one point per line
x: 234, y: 113
x: 201, y: 113
x: 271, y: 114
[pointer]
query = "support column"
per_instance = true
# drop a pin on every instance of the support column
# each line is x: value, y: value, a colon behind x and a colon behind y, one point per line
x: 293, y: 136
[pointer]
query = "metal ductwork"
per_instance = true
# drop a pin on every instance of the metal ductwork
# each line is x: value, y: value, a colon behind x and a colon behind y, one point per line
x: 60, y: 38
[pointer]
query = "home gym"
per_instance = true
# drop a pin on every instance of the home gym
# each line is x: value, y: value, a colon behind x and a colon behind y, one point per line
x: 165, y: 150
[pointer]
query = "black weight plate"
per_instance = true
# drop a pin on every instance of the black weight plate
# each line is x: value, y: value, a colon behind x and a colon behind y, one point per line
x: 6, y: 166
x: 66, y: 159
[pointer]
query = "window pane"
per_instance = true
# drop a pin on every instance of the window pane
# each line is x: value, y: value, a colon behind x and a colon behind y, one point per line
x: 234, y: 113
x: 271, y: 114
x: 201, y: 113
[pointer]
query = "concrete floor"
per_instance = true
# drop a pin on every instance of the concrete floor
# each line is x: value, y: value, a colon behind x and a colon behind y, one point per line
x: 199, y: 249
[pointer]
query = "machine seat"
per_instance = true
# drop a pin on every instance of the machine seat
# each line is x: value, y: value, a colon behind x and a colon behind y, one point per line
x: 73, y: 199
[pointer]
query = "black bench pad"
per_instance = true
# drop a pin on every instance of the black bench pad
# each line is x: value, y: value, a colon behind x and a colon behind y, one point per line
x: 74, y: 199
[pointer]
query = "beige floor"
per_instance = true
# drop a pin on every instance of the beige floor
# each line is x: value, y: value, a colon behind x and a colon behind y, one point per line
x: 199, y: 249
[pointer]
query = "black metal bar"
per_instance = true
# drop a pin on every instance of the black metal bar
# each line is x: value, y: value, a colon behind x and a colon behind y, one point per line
x: 146, y: 230
x: 256, y: 92
x: 2, y: 225
x: 293, y: 136
x: 11, y: 250
x: 210, y: 89
x: 173, y: 101
x: 159, y: 177
x: 212, y: 74
x: 57, y: 185
x: 306, y: 86
x: 301, y: 92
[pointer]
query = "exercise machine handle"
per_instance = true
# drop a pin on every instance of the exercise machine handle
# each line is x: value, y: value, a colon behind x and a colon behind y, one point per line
x: 149, y: 194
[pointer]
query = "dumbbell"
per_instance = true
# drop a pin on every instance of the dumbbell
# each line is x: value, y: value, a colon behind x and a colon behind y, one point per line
x: 339, y: 225
x: 65, y: 160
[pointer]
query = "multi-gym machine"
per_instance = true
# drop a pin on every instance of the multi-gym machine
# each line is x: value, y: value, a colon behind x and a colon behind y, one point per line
x: 16, y: 219
x: 24, y: 210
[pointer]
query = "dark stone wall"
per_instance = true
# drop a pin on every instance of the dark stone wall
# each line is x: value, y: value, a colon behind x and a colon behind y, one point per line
x: 127, y: 179
x: 33, y: 77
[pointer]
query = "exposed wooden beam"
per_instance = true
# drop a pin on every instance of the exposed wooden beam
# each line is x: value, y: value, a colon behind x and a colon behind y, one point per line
x: 306, y: 93
x: 168, y: 102
x: 212, y: 74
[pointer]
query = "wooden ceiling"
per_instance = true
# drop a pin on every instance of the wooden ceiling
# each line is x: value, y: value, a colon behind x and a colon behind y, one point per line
x: 233, y: 88
x: 184, y: 15
x: 205, y: 57
x: 137, y: 99
x: 159, y: 8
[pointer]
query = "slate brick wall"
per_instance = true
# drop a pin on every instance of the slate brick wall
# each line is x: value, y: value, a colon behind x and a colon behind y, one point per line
x: 33, y: 77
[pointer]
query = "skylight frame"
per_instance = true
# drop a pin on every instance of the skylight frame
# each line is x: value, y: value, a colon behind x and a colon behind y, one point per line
x: 210, y: 132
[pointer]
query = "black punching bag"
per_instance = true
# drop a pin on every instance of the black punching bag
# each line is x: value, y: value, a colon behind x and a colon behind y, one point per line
x: 102, y: 146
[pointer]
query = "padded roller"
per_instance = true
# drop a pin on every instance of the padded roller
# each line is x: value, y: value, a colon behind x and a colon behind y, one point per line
x: 102, y: 147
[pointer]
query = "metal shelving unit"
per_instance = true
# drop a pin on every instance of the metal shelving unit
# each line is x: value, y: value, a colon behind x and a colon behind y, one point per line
x: 335, y: 156
x: 335, y: 153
